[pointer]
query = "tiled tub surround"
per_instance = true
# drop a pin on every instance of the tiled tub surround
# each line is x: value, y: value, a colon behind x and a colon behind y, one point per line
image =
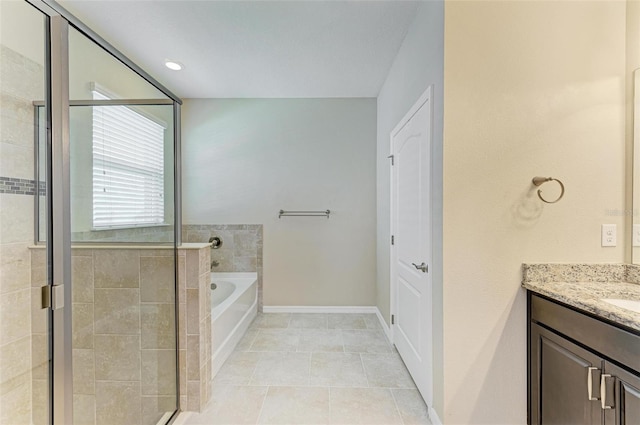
x: 194, y: 283
x: 241, y: 249
x: 313, y: 369
x: 585, y: 285
x: 21, y: 82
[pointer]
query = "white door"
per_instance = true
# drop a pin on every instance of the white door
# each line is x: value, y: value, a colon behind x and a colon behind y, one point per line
x: 411, y: 293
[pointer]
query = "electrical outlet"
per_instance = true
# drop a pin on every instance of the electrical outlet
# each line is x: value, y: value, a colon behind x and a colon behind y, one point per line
x: 609, y: 237
x: 636, y: 235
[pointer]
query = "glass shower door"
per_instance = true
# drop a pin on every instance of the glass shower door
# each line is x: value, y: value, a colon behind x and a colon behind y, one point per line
x: 121, y: 142
x: 87, y: 230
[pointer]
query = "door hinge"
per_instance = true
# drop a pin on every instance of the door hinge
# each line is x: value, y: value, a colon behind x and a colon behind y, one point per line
x: 393, y: 319
x: 52, y: 296
x: 393, y: 240
x: 391, y: 156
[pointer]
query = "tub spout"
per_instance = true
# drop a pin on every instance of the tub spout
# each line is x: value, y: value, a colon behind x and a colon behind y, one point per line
x: 214, y: 263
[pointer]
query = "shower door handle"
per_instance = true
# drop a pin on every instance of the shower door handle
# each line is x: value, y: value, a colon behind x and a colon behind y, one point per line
x: 423, y: 267
x: 52, y: 296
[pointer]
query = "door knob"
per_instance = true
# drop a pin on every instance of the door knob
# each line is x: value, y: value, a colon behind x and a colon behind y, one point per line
x: 422, y: 267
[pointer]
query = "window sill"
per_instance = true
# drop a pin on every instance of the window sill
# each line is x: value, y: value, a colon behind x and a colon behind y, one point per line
x: 125, y: 227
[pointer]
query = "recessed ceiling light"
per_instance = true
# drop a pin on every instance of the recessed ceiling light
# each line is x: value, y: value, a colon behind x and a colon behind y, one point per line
x: 173, y: 65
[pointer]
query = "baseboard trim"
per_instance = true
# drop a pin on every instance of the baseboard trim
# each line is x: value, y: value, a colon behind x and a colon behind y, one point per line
x: 383, y: 324
x: 433, y: 417
x: 330, y: 309
x: 318, y: 309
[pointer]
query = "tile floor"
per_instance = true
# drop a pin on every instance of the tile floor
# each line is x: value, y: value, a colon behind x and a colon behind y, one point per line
x: 313, y: 369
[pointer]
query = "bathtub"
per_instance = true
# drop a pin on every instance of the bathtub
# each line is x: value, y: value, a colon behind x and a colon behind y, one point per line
x: 234, y: 305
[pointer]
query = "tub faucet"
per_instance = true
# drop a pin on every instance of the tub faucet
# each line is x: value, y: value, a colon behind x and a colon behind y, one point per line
x: 214, y: 263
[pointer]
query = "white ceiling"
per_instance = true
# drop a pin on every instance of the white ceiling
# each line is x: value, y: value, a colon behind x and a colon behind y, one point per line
x: 256, y: 48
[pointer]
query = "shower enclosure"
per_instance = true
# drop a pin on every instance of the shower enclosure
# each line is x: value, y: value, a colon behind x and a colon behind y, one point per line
x: 89, y: 225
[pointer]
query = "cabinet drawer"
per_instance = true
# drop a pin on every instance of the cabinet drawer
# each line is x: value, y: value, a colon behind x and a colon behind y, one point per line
x: 612, y: 342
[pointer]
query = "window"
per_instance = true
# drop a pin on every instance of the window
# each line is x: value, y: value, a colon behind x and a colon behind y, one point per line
x: 128, y: 167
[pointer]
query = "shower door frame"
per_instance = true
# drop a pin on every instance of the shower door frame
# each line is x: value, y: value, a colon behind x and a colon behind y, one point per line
x: 58, y: 200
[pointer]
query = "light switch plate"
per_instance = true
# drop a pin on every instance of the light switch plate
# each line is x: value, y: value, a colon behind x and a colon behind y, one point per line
x: 636, y: 235
x: 609, y: 236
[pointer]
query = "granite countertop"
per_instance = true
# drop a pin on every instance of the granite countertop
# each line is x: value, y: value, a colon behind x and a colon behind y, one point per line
x: 583, y: 286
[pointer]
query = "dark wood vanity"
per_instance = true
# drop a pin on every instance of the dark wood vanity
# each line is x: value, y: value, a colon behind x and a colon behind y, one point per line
x: 582, y: 368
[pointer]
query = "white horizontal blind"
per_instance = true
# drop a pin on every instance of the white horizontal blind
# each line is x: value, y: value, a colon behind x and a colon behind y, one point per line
x: 128, y: 167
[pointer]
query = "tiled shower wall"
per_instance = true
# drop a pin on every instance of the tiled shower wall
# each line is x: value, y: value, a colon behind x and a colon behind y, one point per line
x: 241, y: 249
x: 21, y: 82
x: 124, y: 346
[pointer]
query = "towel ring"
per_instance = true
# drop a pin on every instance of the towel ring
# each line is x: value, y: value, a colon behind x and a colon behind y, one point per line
x: 537, y: 181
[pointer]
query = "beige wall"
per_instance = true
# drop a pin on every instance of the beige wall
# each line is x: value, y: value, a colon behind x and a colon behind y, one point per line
x: 245, y: 159
x: 531, y: 88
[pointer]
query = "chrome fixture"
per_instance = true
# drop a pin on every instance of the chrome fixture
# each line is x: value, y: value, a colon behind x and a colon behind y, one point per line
x: 538, y: 181
x: 215, y: 242
x: 603, y: 391
x: 590, y: 383
x: 284, y: 213
x: 213, y: 286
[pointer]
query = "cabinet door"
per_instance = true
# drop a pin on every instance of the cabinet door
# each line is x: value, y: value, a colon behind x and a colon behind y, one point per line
x: 623, y: 396
x: 559, y: 376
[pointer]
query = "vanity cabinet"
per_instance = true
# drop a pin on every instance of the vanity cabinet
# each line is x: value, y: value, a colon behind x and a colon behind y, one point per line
x: 625, y: 389
x: 559, y: 390
x: 582, y: 370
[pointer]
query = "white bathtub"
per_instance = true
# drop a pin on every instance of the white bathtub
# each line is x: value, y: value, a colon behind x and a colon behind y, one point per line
x: 234, y: 305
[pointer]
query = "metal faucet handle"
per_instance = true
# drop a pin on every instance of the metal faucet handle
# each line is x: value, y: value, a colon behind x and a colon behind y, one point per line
x: 215, y: 242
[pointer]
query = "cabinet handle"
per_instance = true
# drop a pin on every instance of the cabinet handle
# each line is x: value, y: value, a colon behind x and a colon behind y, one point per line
x: 590, y: 383
x: 603, y: 391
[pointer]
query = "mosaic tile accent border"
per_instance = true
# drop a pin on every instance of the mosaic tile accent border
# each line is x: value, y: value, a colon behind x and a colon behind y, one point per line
x: 21, y: 186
